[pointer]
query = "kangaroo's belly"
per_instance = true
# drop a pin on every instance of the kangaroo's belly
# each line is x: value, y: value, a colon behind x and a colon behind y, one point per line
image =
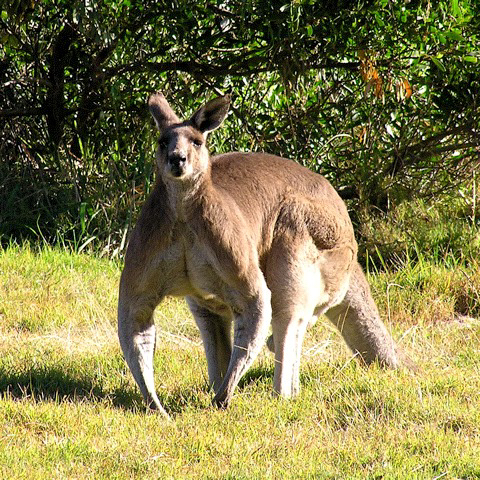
x: 203, y: 278
x: 188, y: 271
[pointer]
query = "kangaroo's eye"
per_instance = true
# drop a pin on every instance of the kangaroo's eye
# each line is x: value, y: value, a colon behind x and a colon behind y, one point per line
x: 197, y: 143
x: 162, y: 143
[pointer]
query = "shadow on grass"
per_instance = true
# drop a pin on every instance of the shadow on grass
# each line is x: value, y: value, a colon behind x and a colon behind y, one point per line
x: 53, y: 383
x: 199, y: 396
x: 257, y: 374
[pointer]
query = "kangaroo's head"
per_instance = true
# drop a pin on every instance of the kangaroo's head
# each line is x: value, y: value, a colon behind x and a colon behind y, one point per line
x: 182, y: 153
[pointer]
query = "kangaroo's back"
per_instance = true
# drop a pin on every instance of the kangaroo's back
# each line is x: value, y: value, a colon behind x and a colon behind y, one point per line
x: 245, y: 174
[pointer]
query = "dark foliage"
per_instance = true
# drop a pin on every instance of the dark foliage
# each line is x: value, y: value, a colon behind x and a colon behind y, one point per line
x: 381, y: 97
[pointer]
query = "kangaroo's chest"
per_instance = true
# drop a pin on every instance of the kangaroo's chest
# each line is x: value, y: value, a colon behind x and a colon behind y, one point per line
x: 203, y: 277
x: 192, y: 271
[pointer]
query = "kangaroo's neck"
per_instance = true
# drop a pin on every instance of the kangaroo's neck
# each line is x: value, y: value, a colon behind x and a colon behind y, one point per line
x: 185, y: 197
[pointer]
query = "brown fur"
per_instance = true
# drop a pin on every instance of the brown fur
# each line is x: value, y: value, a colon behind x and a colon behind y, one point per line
x: 249, y: 240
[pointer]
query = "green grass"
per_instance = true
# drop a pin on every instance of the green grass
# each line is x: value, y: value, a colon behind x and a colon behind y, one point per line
x: 69, y: 407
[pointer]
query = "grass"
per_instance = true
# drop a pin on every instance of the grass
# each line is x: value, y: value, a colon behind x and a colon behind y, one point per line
x: 69, y: 407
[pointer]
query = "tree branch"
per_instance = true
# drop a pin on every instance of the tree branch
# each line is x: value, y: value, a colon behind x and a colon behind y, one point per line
x: 22, y: 112
x: 247, y: 66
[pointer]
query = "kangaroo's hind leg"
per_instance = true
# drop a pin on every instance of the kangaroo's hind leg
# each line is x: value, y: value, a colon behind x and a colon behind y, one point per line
x: 295, y: 279
x: 216, y: 332
x: 252, y: 317
x: 359, y: 322
x: 288, y: 333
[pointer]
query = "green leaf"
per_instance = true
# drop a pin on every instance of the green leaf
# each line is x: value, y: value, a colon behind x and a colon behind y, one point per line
x: 438, y: 64
x: 309, y: 30
x: 455, y: 8
x: 455, y: 35
x: 379, y: 20
x: 470, y: 58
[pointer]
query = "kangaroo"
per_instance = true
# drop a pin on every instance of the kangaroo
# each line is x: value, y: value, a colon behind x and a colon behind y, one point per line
x: 249, y: 239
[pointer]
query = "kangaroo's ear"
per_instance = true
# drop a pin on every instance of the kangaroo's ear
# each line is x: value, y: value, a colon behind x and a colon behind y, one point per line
x: 211, y: 115
x: 161, y: 111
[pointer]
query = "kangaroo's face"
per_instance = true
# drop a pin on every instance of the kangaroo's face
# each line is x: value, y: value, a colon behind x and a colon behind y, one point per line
x: 181, y: 152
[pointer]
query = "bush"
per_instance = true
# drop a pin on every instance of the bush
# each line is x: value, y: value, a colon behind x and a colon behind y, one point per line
x: 382, y: 98
x: 446, y: 231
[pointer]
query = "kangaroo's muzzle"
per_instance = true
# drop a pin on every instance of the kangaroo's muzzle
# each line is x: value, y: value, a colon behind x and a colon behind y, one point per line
x: 177, y: 164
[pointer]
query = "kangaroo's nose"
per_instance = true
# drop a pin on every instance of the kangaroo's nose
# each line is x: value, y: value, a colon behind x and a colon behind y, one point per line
x: 177, y: 163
